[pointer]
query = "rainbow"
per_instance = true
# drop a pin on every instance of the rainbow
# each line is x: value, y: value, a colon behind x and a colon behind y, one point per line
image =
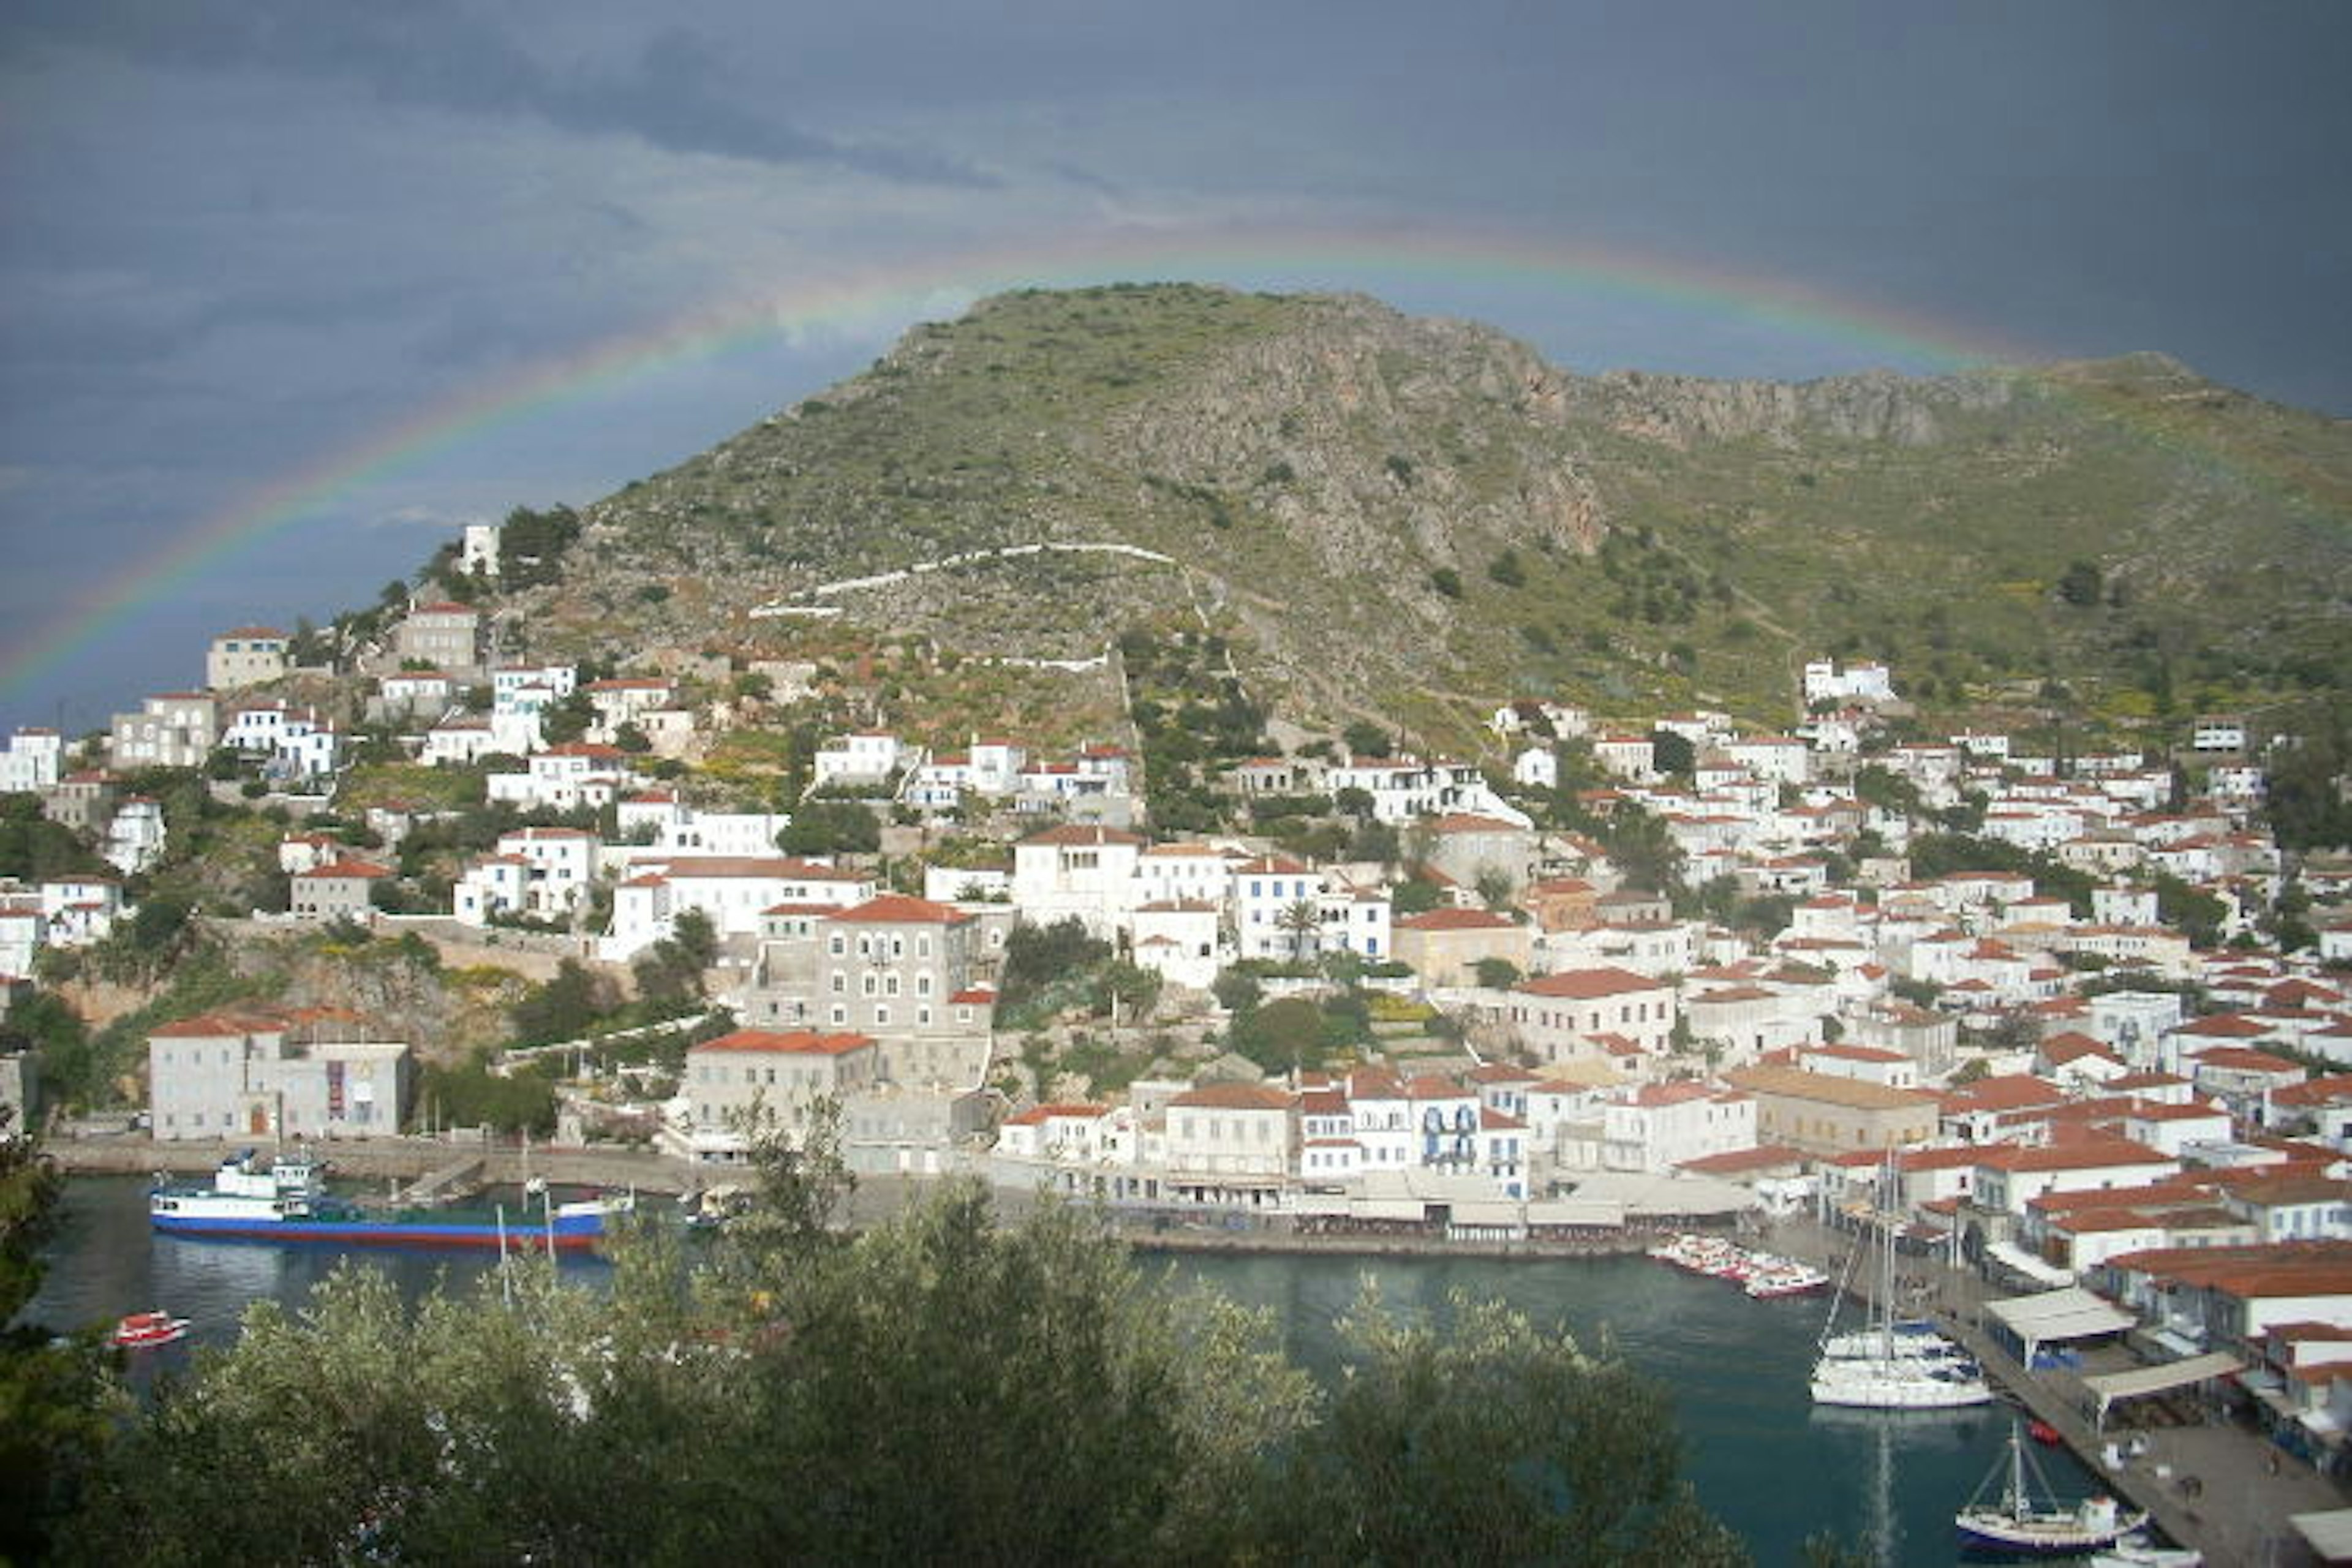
x: 880, y: 299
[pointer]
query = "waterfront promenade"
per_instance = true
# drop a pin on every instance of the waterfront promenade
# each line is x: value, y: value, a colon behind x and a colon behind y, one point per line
x: 2211, y: 1481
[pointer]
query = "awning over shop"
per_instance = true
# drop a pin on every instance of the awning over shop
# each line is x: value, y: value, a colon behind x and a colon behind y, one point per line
x: 1594, y: 1213
x: 1666, y: 1197
x: 2108, y: 1388
x: 2020, y: 1261
x: 2057, y: 1316
x: 2329, y: 1534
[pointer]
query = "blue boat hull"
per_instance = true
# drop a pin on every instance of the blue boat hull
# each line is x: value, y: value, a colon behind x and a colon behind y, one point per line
x: 572, y: 1232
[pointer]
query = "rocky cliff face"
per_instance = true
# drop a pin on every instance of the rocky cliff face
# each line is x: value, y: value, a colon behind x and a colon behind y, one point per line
x: 1391, y: 513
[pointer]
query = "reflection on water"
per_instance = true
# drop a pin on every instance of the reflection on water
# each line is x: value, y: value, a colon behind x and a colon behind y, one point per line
x: 1763, y: 1458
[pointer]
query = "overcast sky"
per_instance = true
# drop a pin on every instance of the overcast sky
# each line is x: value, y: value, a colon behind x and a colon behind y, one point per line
x: 243, y: 241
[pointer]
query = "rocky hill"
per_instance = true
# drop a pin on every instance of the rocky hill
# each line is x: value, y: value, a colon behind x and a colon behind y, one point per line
x: 1400, y: 517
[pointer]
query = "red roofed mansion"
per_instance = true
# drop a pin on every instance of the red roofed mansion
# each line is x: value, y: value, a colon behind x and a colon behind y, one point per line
x: 1558, y: 1017
x: 754, y: 1074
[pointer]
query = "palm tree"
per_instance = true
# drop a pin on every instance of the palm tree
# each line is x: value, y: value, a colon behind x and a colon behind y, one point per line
x: 1304, y: 921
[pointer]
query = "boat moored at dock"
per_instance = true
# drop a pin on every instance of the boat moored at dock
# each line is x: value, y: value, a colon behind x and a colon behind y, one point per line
x: 2024, y: 1519
x: 285, y: 1202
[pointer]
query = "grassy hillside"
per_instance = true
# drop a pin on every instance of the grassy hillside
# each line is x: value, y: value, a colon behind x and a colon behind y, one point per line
x: 1407, y: 518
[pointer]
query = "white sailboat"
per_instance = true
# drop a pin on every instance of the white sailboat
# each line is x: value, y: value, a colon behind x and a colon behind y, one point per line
x: 1891, y: 1365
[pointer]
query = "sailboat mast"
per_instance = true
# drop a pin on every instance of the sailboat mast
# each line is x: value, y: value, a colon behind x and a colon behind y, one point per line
x: 1883, y: 1309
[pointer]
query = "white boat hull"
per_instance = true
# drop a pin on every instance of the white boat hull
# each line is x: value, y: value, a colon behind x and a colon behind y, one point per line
x: 1894, y: 1385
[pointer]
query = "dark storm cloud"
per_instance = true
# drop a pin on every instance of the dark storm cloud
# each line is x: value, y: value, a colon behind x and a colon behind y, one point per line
x: 677, y: 91
x: 242, y: 236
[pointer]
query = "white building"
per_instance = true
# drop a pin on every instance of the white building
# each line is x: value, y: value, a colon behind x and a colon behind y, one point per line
x: 1077, y: 872
x: 1538, y: 767
x: 869, y: 758
x: 23, y: 930
x: 247, y: 655
x: 458, y: 743
x: 1862, y: 682
x: 658, y: 823
x: 134, y: 839
x: 1276, y: 910
x: 1403, y: 788
x: 34, y: 761
x: 1656, y: 1127
x: 477, y: 549
x: 733, y: 892
x: 1182, y: 940
x: 171, y: 729
x: 265, y: 1074
x: 1573, y: 1013
x: 740, y: 1082
x: 567, y: 777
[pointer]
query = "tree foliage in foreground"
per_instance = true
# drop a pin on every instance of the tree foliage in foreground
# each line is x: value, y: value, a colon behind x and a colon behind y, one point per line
x: 940, y: 1388
x: 57, y: 1406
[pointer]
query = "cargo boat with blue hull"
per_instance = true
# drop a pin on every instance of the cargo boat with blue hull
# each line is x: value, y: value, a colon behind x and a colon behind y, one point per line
x: 285, y: 1202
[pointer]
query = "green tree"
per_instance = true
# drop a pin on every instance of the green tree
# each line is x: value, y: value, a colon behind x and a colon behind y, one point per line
x: 1365, y: 739
x: 831, y: 827
x: 1377, y: 842
x: 1238, y: 991
x: 1415, y: 897
x: 1497, y: 974
x: 563, y: 1008
x: 1642, y: 849
x: 1285, y: 1034
x: 57, y: 1410
x: 1494, y: 1442
x: 942, y: 1387
x: 1873, y: 784
x: 35, y: 849
x: 560, y: 724
x: 1127, y: 989
x: 2195, y: 912
x: 532, y: 545
x: 1037, y: 956
x: 2079, y: 584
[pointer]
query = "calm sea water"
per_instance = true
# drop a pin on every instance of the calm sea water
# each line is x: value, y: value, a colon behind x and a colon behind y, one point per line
x: 1764, y: 1460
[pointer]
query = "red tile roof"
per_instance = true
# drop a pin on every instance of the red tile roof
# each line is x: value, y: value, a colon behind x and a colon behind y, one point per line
x: 898, y: 909
x: 1590, y: 985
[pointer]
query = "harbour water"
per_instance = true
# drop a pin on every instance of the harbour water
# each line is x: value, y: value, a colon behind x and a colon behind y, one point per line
x: 1764, y: 1460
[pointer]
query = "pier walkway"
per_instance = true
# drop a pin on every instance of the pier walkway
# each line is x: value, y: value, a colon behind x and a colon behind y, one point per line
x: 460, y: 1175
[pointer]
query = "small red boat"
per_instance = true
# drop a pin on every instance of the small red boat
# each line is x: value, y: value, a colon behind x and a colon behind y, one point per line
x: 2044, y: 1433
x: 141, y: 1330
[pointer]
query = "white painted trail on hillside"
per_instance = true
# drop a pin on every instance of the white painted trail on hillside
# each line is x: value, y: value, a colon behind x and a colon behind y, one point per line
x: 799, y: 606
